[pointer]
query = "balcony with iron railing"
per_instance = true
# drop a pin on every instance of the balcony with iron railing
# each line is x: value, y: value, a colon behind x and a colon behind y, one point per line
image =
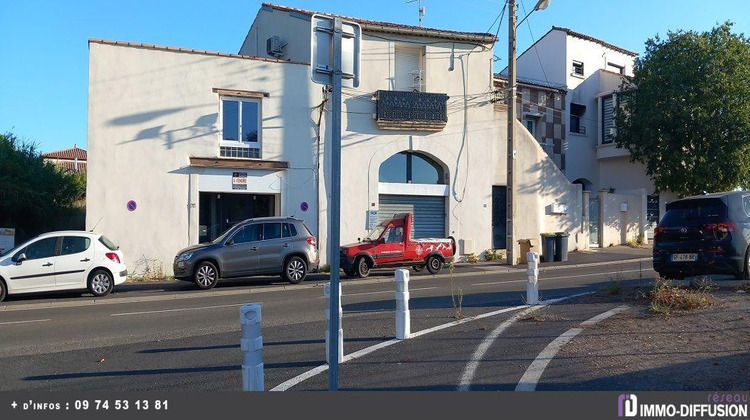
x: 421, y: 111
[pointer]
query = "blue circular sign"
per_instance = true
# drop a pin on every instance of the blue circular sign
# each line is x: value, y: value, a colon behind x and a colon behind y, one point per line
x: 304, y: 206
x: 132, y: 205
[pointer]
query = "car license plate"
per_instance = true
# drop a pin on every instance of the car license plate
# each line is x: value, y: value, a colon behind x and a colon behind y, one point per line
x: 684, y: 257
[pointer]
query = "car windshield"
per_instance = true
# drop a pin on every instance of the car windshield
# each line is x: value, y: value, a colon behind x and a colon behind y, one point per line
x: 375, y: 234
x: 10, y: 251
x: 223, y: 235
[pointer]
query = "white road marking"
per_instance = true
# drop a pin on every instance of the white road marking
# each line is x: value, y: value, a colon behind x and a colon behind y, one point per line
x: 24, y: 322
x: 531, y: 377
x: 380, y: 292
x: 482, y: 348
x: 564, y: 277
x: 178, y: 310
x: 322, y: 368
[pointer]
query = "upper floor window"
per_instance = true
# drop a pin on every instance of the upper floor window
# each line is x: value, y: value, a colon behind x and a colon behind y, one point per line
x: 616, y: 68
x: 577, y: 68
x: 409, y: 71
x: 411, y: 168
x: 576, y: 118
x: 608, y: 121
x: 240, y: 127
x: 531, y: 126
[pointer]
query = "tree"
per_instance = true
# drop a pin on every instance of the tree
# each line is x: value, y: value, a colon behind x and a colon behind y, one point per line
x: 685, y: 114
x: 35, y: 196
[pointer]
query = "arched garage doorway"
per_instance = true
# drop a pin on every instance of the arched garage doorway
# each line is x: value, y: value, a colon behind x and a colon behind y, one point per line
x: 412, y: 182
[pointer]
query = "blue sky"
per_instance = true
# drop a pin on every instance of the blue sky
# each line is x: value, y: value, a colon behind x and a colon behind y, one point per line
x: 44, y: 49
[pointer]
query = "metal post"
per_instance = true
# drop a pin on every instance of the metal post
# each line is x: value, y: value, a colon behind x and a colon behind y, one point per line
x: 252, y: 348
x: 403, y: 317
x: 335, y: 209
x: 340, y: 346
x: 509, y: 242
x: 532, y: 273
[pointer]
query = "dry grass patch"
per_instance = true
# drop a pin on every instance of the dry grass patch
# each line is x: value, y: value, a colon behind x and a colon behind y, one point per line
x: 666, y: 298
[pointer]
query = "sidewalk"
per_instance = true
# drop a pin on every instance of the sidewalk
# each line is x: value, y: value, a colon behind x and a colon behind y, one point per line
x: 593, y: 256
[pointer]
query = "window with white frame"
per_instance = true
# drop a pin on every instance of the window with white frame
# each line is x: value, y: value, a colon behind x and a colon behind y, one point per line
x: 608, y: 120
x: 531, y: 126
x: 577, y: 68
x: 240, y: 127
x: 615, y: 68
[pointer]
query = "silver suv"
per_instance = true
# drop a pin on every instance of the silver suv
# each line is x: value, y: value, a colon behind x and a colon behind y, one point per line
x: 263, y: 246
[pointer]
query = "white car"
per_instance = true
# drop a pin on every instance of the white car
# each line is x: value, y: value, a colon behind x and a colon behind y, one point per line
x: 62, y: 261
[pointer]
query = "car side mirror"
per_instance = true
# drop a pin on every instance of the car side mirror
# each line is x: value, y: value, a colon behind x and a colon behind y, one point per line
x: 359, y: 239
x: 230, y: 242
x: 21, y: 258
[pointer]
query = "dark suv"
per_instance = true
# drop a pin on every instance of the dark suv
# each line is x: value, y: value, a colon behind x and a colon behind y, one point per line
x: 708, y: 234
x: 262, y: 246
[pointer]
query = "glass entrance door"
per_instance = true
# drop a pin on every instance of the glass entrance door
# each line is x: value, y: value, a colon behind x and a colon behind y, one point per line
x: 220, y: 211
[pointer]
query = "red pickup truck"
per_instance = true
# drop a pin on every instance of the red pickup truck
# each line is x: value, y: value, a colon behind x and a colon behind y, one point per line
x: 390, y: 245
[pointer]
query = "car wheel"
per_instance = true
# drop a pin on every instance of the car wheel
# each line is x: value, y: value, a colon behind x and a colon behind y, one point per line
x: 417, y: 268
x: 362, y: 267
x: 3, y: 290
x: 295, y: 270
x: 206, y: 275
x: 434, y: 264
x: 746, y: 271
x: 101, y: 283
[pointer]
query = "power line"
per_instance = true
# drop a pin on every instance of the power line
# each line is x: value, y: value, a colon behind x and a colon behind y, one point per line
x: 534, y: 44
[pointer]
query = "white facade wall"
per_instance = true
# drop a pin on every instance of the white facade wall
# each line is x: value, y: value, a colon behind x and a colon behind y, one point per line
x: 151, y: 110
x: 462, y: 149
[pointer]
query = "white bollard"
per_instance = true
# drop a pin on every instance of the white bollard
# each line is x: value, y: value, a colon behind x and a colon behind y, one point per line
x: 403, y: 317
x: 327, y: 293
x: 532, y: 272
x: 252, y: 348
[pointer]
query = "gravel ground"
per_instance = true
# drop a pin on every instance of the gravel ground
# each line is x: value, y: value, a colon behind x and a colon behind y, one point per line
x: 706, y: 349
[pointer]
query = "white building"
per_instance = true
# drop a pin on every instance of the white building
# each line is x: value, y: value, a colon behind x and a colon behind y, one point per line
x: 592, y: 71
x: 184, y: 143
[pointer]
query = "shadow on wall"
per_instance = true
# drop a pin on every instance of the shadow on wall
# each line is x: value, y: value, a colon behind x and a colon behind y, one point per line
x: 553, y: 187
x: 203, y: 126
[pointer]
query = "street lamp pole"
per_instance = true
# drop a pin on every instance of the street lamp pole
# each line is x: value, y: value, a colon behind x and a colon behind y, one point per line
x: 511, y: 150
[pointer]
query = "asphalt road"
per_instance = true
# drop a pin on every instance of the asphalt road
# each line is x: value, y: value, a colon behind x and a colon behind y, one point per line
x: 171, y: 337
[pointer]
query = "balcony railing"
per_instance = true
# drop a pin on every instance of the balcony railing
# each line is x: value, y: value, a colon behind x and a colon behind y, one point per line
x: 422, y: 111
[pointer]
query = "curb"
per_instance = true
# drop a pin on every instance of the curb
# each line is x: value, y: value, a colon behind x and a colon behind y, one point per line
x: 304, y: 285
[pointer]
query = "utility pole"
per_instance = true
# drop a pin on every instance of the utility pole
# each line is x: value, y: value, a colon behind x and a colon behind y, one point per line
x: 511, y: 189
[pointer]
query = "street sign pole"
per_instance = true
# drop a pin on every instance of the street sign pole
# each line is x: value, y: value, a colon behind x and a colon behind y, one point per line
x: 335, y: 210
x: 335, y: 62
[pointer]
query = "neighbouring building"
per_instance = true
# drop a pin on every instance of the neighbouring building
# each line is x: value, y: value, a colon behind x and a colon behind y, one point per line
x: 69, y: 160
x: 185, y: 143
x: 591, y: 70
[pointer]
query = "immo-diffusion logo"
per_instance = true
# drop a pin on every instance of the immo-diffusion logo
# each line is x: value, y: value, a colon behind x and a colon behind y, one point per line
x: 727, y: 405
x: 627, y: 405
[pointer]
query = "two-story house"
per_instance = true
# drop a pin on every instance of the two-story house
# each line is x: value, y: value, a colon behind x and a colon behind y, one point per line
x: 185, y: 143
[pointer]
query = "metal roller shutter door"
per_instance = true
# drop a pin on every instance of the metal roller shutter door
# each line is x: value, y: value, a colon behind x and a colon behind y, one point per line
x: 428, y: 212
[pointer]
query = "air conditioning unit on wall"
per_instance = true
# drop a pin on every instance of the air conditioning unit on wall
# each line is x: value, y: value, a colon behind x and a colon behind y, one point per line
x: 275, y: 47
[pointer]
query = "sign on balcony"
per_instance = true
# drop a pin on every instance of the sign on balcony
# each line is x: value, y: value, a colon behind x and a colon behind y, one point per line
x: 398, y: 110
